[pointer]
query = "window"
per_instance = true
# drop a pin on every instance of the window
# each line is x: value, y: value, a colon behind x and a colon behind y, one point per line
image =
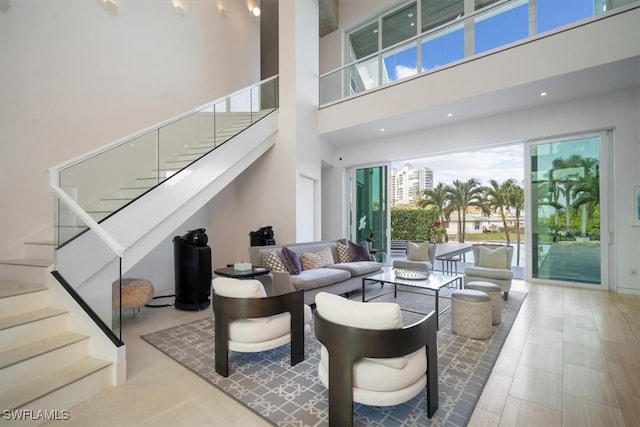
x: 437, y: 12
x: 363, y: 42
x: 399, y: 25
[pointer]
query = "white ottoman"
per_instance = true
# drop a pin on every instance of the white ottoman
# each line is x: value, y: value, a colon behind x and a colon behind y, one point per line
x: 471, y: 314
x: 495, y: 293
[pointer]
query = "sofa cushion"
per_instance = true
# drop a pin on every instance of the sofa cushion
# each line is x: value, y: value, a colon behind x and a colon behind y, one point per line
x: 418, y: 251
x: 291, y: 261
x: 273, y: 262
x: 359, y: 252
x: 319, y: 259
x: 311, y: 279
x: 344, y: 253
x: 496, y: 258
x: 357, y: 268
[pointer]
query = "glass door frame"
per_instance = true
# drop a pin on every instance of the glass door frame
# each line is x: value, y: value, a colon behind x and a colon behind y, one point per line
x: 352, y: 222
x: 607, y: 203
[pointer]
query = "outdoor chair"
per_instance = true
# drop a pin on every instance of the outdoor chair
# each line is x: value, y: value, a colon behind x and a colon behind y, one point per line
x: 492, y: 263
x: 367, y: 356
x: 420, y: 256
x: 248, y: 321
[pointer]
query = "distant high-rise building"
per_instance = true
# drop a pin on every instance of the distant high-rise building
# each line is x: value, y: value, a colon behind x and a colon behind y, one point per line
x: 408, y: 183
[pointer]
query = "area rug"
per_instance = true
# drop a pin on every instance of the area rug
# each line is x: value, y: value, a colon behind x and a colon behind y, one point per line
x: 293, y: 396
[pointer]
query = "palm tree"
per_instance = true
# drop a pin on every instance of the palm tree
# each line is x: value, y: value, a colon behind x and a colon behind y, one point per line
x: 586, y: 192
x: 461, y: 196
x: 437, y: 199
x: 565, y: 174
x: 498, y: 198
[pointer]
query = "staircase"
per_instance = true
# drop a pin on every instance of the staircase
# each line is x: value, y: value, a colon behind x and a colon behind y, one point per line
x: 43, y: 364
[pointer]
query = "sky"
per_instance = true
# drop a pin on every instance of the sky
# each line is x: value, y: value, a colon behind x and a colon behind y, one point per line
x: 499, y: 163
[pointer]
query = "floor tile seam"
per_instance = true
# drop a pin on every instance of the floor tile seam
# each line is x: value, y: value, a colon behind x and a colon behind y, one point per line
x: 592, y: 401
x: 609, y: 377
x: 536, y: 403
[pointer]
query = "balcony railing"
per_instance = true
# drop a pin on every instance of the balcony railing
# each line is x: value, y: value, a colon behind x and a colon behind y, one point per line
x: 502, y: 24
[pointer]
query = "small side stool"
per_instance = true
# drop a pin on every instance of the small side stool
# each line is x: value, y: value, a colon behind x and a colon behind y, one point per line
x: 495, y: 293
x: 471, y: 314
x: 135, y: 294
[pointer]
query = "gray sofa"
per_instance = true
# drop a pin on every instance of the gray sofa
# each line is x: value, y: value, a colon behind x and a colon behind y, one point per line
x: 338, y: 278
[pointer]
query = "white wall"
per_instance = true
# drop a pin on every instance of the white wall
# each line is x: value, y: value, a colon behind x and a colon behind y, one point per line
x: 619, y: 110
x: 73, y: 78
x: 158, y: 265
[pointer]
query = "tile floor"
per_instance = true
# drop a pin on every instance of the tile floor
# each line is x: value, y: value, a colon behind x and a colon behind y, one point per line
x: 572, y: 358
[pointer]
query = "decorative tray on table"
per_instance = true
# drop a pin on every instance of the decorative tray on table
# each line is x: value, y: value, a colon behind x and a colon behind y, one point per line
x: 402, y: 273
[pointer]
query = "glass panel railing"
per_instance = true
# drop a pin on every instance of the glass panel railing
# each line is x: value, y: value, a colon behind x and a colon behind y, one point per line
x: 501, y: 25
x: 492, y: 25
x: 101, y: 291
x: 400, y: 62
x: 104, y: 182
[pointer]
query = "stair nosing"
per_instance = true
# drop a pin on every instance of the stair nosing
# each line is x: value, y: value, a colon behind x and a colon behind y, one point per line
x: 30, y: 317
x: 28, y: 262
x: 50, y: 384
x: 39, y: 348
x: 22, y: 288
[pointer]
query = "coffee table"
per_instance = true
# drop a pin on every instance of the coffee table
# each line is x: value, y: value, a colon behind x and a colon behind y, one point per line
x: 434, y: 282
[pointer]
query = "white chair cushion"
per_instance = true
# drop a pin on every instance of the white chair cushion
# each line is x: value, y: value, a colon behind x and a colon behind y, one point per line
x: 366, y: 315
x: 269, y: 328
x: 493, y: 258
x: 489, y: 273
x: 236, y: 288
x: 418, y: 251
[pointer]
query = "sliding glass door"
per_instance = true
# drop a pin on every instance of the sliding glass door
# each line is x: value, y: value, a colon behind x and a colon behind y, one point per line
x: 369, y: 212
x: 567, y: 212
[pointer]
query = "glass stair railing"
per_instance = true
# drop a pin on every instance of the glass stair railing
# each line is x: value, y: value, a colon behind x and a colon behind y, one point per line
x: 97, y: 185
x: 104, y: 182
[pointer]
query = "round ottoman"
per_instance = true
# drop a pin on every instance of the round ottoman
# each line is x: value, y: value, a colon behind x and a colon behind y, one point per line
x: 135, y: 293
x: 495, y: 293
x: 471, y: 314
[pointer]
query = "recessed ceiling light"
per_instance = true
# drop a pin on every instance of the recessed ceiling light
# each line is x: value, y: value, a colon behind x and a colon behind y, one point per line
x: 410, y: 15
x: 255, y: 11
x: 375, y: 31
x: 412, y: 24
x: 450, y: 114
x: 543, y: 93
x: 381, y: 129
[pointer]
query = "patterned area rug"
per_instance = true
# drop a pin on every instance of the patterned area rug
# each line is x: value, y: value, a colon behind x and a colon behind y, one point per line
x: 293, y: 396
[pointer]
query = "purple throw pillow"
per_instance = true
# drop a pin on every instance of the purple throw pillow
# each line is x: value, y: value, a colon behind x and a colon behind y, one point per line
x: 359, y: 252
x: 291, y: 261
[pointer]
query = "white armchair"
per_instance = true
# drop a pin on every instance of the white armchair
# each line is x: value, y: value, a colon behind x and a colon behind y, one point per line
x: 368, y: 357
x: 420, y: 256
x: 248, y: 321
x: 492, y: 263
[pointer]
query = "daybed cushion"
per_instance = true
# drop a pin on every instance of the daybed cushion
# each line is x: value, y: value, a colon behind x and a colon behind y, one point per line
x: 318, y: 277
x: 496, y: 258
x: 357, y: 268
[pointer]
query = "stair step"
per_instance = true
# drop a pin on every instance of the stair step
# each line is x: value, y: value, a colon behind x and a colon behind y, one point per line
x: 26, y: 270
x: 18, y: 298
x: 35, y: 349
x: 49, y: 382
x: 30, y: 317
x: 29, y: 262
x: 40, y: 249
x: 10, y: 288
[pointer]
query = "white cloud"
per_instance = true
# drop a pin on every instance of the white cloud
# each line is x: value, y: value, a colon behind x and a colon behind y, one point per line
x: 404, y: 71
x: 499, y: 163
